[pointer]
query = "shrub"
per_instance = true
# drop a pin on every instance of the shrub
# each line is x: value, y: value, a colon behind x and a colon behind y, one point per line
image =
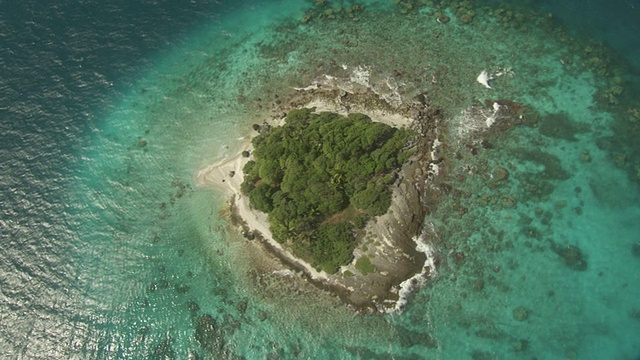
x: 364, y: 265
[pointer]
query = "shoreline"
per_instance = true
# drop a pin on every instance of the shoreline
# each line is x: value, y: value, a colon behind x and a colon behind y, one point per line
x: 218, y: 175
x: 399, y: 259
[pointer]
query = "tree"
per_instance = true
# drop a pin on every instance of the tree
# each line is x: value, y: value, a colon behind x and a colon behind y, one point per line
x: 260, y: 197
x: 373, y: 199
x: 333, y: 246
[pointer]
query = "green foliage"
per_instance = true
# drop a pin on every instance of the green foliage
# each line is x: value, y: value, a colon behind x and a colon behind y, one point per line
x: 360, y: 221
x: 260, y: 197
x: 307, y: 172
x: 250, y: 172
x: 269, y: 171
x: 364, y: 265
x: 332, y: 246
x: 374, y: 199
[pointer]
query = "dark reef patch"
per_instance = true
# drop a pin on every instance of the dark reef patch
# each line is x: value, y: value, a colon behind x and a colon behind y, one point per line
x: 209, y: 335
x: 553, y: 169
x: 558, y: 126
x: 572, y: 256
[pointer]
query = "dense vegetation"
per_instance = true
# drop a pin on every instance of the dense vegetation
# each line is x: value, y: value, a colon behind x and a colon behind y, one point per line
x: 320, y: 177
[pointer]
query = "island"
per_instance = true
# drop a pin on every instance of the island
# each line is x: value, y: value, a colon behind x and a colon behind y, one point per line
x: 338, y: 192
x: 320, y: 178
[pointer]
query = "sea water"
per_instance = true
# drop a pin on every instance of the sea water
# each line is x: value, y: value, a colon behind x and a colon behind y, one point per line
x: 110, y: 251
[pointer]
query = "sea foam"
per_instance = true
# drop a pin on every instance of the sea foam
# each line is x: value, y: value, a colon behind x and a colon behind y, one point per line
x: 413, y: 283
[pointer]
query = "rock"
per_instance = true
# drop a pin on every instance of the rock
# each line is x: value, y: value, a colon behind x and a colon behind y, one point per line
x: 408, y: 338
x: 572, y: 256
x: 163, y: 350
x: 560, y: 204
x: 249, y: 235
x: 500, y: 174
x: 443, y: 19
x: 458, y: 257
x: 181, y: 288
x: 481, y: 355
x: 489, y: 331
x: 242, y: 306
x: 485, y: 199
x: 619, y: 159
x: 520, y: 345
x: 571, y: 354
x: 486, y: 145
x: 508, y: 201
x: 208, y: 335
x: 520, y: 314
x: 232, y: 173
x: 478, y: 285
x: 422, y: 99
x: 466, y: 18
x: 142, y: 142
x: 193, y: 306
x: 558, y: 126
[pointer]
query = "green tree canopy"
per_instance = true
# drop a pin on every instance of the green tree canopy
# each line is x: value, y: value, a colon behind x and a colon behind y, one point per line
x: 318, y: 175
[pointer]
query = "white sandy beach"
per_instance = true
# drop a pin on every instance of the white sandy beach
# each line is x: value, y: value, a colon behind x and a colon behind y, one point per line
x: 217, y: 175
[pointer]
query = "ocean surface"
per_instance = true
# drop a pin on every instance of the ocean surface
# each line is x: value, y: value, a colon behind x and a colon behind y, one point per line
x: 108, y: 109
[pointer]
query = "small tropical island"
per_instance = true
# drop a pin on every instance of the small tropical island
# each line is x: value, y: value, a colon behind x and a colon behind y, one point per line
x: 338, y: 192
x: 321, y: 178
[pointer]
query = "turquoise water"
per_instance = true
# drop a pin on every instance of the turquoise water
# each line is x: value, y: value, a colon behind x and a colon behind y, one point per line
x: 111, y: 251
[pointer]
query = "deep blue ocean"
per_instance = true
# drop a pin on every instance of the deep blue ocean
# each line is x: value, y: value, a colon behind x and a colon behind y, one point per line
x: 109, y: 251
